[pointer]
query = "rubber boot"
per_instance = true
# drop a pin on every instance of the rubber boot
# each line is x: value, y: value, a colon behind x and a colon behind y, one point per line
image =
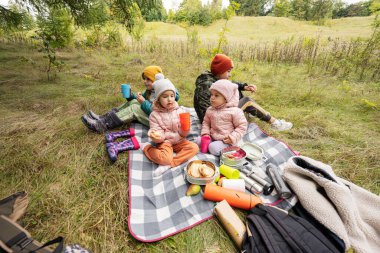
x: 111, y: 137
x: 109, y: 121
x: 95, y: 116
x: 115, y: 148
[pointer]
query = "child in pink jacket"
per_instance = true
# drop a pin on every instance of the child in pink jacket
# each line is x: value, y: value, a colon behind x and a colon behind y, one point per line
x: 224, y: 121
x: 165, y: 130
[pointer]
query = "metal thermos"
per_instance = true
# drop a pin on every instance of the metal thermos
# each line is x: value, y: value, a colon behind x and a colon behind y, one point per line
x: 267, y: 187
x: 251, y: 185
x: 278, y: 182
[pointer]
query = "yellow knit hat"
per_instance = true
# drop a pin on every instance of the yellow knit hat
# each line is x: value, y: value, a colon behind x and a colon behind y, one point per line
x: 150, y: 72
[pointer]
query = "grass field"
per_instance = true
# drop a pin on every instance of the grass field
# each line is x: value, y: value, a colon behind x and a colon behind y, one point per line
x: 250, y: 30
x: 76, y: 192
x: 267, y: 29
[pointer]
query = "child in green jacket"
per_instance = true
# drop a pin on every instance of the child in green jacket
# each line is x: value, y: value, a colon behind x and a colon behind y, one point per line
x: 137, y: 108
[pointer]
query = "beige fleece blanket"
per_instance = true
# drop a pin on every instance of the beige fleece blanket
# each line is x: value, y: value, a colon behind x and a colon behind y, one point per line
x: 348, y: 210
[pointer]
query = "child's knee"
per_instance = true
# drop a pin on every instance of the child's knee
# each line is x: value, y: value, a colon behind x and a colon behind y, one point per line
x: 162, y: 155
x: 216, y: 147
x: 194, y: 148
x: 134, y: 106
x: 162, y: 158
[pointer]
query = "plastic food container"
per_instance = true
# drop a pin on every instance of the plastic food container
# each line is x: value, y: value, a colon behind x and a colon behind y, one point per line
x: 201, y: 180
x: 253, y: 151
x: 233, y: 156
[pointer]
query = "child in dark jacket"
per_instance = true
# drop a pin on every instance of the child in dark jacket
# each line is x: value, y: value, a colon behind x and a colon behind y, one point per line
x: 137, y: 108
x: 221, y: 67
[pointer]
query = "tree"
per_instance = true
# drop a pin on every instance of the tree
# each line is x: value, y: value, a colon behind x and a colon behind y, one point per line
x: 281, y: 8
x: 193, y: 13
x: 253, y: 7
x: 96, y: 15
x: 216, y: 9
x: 77, y: 9
x: 171, y: 16
x: 54, y: 31
x: 321, y: 9
x: 80, y: 10
x: 137, y: 31
x: 15, y: 18
x: 359, y: 9
x: 56, y: 28
x: 152, y: 10
x: 301, y: 9
x: 339, y: 9
x: 375, y: 7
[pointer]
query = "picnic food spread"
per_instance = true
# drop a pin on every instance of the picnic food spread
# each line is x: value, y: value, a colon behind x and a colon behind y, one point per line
x: 201, y: 169
x: 201, y: 172
x: 233, y: 156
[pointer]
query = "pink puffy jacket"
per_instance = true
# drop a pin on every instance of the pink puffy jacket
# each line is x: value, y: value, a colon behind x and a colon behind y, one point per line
x: 227, y: 120
x: 166, y: 122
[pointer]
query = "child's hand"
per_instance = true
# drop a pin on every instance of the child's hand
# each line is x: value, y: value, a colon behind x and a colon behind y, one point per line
x: 155, y: 136
x: 227, y: 140
x: 140, y: 98
x: 250, y: 87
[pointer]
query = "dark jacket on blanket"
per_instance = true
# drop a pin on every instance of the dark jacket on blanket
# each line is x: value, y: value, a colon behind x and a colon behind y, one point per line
x: 149, y: 96
x: 202, y: 93
x: 349, y: 211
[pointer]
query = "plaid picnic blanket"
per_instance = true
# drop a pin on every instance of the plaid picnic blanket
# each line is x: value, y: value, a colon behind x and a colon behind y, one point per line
x: 159, y: 207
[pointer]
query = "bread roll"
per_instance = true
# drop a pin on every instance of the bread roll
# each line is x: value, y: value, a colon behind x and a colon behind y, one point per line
x: 206, y: 171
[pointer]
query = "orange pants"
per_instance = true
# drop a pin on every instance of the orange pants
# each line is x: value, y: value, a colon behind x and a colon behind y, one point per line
x: 163, y: 153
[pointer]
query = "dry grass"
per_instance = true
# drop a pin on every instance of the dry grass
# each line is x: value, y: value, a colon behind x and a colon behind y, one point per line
x: 77, y: 193
x: 267, y: 29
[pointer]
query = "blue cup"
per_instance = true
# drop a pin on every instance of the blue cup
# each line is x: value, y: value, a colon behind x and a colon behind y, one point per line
x: 126, y: 90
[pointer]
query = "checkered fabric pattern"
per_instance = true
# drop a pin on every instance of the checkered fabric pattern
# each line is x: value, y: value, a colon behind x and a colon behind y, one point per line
x: 159, y: 207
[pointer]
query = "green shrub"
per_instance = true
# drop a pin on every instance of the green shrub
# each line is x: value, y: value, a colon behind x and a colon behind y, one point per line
x: 113, y: 37
x: 56, y: 28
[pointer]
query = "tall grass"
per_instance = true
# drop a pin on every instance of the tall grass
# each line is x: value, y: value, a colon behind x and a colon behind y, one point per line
x: 357, y: 57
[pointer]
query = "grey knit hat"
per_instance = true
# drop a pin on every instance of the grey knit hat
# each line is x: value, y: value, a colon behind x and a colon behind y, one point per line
x: 162, y: 84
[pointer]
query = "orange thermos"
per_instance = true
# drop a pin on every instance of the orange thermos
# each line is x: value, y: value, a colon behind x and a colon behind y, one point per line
x: 234, y: 198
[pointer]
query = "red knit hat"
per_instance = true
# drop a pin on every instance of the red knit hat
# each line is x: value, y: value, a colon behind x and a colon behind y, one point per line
x: 220, y: 64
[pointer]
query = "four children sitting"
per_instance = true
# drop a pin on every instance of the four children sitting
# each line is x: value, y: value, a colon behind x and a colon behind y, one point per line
x: 218, y: 102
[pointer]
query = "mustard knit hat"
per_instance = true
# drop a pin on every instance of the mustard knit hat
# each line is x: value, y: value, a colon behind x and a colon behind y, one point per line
x: 151, y: 71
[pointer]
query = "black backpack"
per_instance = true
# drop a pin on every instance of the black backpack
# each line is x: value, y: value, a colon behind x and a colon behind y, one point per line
x: 270, y: 229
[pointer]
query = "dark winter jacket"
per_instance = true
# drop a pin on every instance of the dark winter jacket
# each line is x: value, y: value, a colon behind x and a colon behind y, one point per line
x: 202, y: 93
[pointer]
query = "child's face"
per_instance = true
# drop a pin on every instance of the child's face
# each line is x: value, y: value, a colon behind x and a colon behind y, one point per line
x: 217, y: 99
x: 148, y: 83
x: 225, y: 75
x: 167, y: 99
